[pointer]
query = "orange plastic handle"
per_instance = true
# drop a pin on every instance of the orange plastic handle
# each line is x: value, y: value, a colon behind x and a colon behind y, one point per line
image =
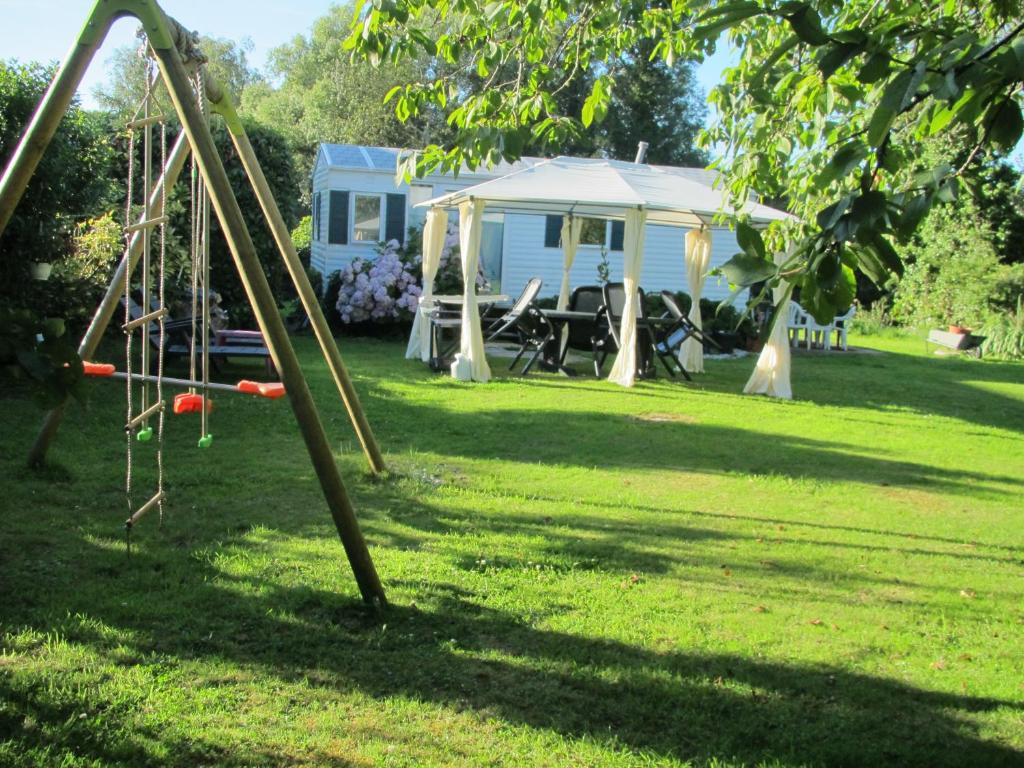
x: 186, y: 402
x: 98, y: 369
x: 272, y: 390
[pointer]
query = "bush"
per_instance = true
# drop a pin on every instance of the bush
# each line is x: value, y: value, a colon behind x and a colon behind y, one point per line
x: 302, y: 239
x: 382, y: 289
x: 1004, y: 334
x: 870, y: 321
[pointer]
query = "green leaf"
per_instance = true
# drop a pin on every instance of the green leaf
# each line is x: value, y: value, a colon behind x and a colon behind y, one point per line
x: 846, y: 158
x: 1005, y: 124
x: 886, y: 254
x: 807, y: 25
x: 746, y: 270
x: 835, y: 56
x: 828, y: 217
x: 749, y: 239
x: 868, y: 207
x: 874, y: 69
x: 895, y: 98
x: 913, y: 211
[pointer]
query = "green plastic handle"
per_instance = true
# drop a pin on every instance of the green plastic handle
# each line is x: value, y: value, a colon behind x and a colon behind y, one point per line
x: 144, y: 435
x: 206, y: 441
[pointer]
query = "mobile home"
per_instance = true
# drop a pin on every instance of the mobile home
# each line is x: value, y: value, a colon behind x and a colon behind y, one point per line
x: 357, y: 203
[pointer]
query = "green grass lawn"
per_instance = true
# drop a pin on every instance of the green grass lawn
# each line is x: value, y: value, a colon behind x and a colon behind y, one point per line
x: 578, y: 574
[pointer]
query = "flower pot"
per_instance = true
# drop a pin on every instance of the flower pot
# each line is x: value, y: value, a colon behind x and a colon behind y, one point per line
x: 40, y: 270
x: 959, y: 329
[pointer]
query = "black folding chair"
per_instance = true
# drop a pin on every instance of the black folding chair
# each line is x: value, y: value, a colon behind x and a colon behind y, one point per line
x: 683, y: 322
x: 610, y: 320
x: 506, y: 321
x: 535, y: 333
x: 443, y: 319
x: 581, y: 335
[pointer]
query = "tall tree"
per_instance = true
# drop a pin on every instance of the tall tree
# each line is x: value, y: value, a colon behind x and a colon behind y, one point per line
x: 228, y: 63
x: 826, y: 106
x: 317, y: 94
x: 652, y: 101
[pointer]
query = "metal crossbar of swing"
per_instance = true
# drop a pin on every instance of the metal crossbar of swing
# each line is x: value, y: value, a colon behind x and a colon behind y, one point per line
x: 271, y: 390
x: 172, y: 45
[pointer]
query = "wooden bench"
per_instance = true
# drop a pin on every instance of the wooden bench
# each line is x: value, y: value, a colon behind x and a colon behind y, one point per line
x: 967, y: 343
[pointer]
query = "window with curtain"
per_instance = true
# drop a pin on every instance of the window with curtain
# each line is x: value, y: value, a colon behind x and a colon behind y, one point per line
x: 366, y: 218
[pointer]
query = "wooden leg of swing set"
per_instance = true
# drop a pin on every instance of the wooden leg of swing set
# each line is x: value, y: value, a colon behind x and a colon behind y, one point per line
x: 269, y: 319
x: 105, y: 312
x: 221, y: 104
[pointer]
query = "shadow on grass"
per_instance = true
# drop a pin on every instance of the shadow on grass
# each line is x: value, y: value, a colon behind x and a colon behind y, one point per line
x: 454, y: 652
x: 616, y: 441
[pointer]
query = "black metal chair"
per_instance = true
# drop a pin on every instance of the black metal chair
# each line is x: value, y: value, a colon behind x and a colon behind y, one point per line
x: 610, y: 320
x: 443, y: 319
x: 535, y: 333
x: 581, y: 335
x: 506, y: 321
x: 684, y: 323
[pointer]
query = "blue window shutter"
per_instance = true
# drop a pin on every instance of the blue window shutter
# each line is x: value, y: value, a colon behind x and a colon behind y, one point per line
x: 337, y: 218
x: 316, y: 216
x: 618, y: 235
x: 394, y: 226
x: 552, y: 231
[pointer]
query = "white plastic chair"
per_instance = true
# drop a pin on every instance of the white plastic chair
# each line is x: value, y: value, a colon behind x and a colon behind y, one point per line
x: 819, y: 334
x: 841, y: 324
x: 796, y: 322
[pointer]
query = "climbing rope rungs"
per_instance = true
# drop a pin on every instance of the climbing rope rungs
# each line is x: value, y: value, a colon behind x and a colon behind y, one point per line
x: 149, y: 223
x: 142, y: 417
x: 159, y: 497
x: 156, y: 314
x: 142, y: 122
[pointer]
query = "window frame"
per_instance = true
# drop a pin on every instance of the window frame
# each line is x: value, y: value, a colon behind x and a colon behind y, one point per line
x: 605, y: 241
x: 381, y: 213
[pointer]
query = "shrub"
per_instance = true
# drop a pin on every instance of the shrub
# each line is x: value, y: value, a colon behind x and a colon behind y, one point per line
x: 1004, y: 334
x: 382, y: 289
x: 872, y: 320
x: 302, y: 239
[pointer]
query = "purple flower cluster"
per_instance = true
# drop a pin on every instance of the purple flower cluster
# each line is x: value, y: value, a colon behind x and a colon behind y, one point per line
x: 383, y: 288
x: 449, y: 267
x: 387, y: 287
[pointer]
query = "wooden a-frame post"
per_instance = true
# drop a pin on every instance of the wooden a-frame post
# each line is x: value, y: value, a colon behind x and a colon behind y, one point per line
x: 166, y: 36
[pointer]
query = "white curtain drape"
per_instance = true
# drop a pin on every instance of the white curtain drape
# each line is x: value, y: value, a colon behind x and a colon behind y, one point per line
x: 771, y: 374
x: 624, y: 370
x: 571, y: 228
x: 471, y: 362
x: 434, y: 232
x: 698, y: 257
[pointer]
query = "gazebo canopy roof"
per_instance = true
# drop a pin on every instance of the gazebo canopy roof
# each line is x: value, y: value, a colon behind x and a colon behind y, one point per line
x: 604, y: 189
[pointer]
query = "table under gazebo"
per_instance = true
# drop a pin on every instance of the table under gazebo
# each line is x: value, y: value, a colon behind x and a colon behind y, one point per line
x: 579, y: 188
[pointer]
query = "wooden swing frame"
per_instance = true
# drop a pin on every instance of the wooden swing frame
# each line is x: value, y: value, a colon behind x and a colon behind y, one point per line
x: 174, y: 49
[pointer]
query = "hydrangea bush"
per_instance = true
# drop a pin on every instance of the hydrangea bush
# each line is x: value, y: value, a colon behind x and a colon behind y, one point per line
x: 387, y: 287
x: 380, y: 289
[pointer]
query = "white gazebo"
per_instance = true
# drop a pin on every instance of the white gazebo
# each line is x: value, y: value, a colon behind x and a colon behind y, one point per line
x: 581, y: 188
